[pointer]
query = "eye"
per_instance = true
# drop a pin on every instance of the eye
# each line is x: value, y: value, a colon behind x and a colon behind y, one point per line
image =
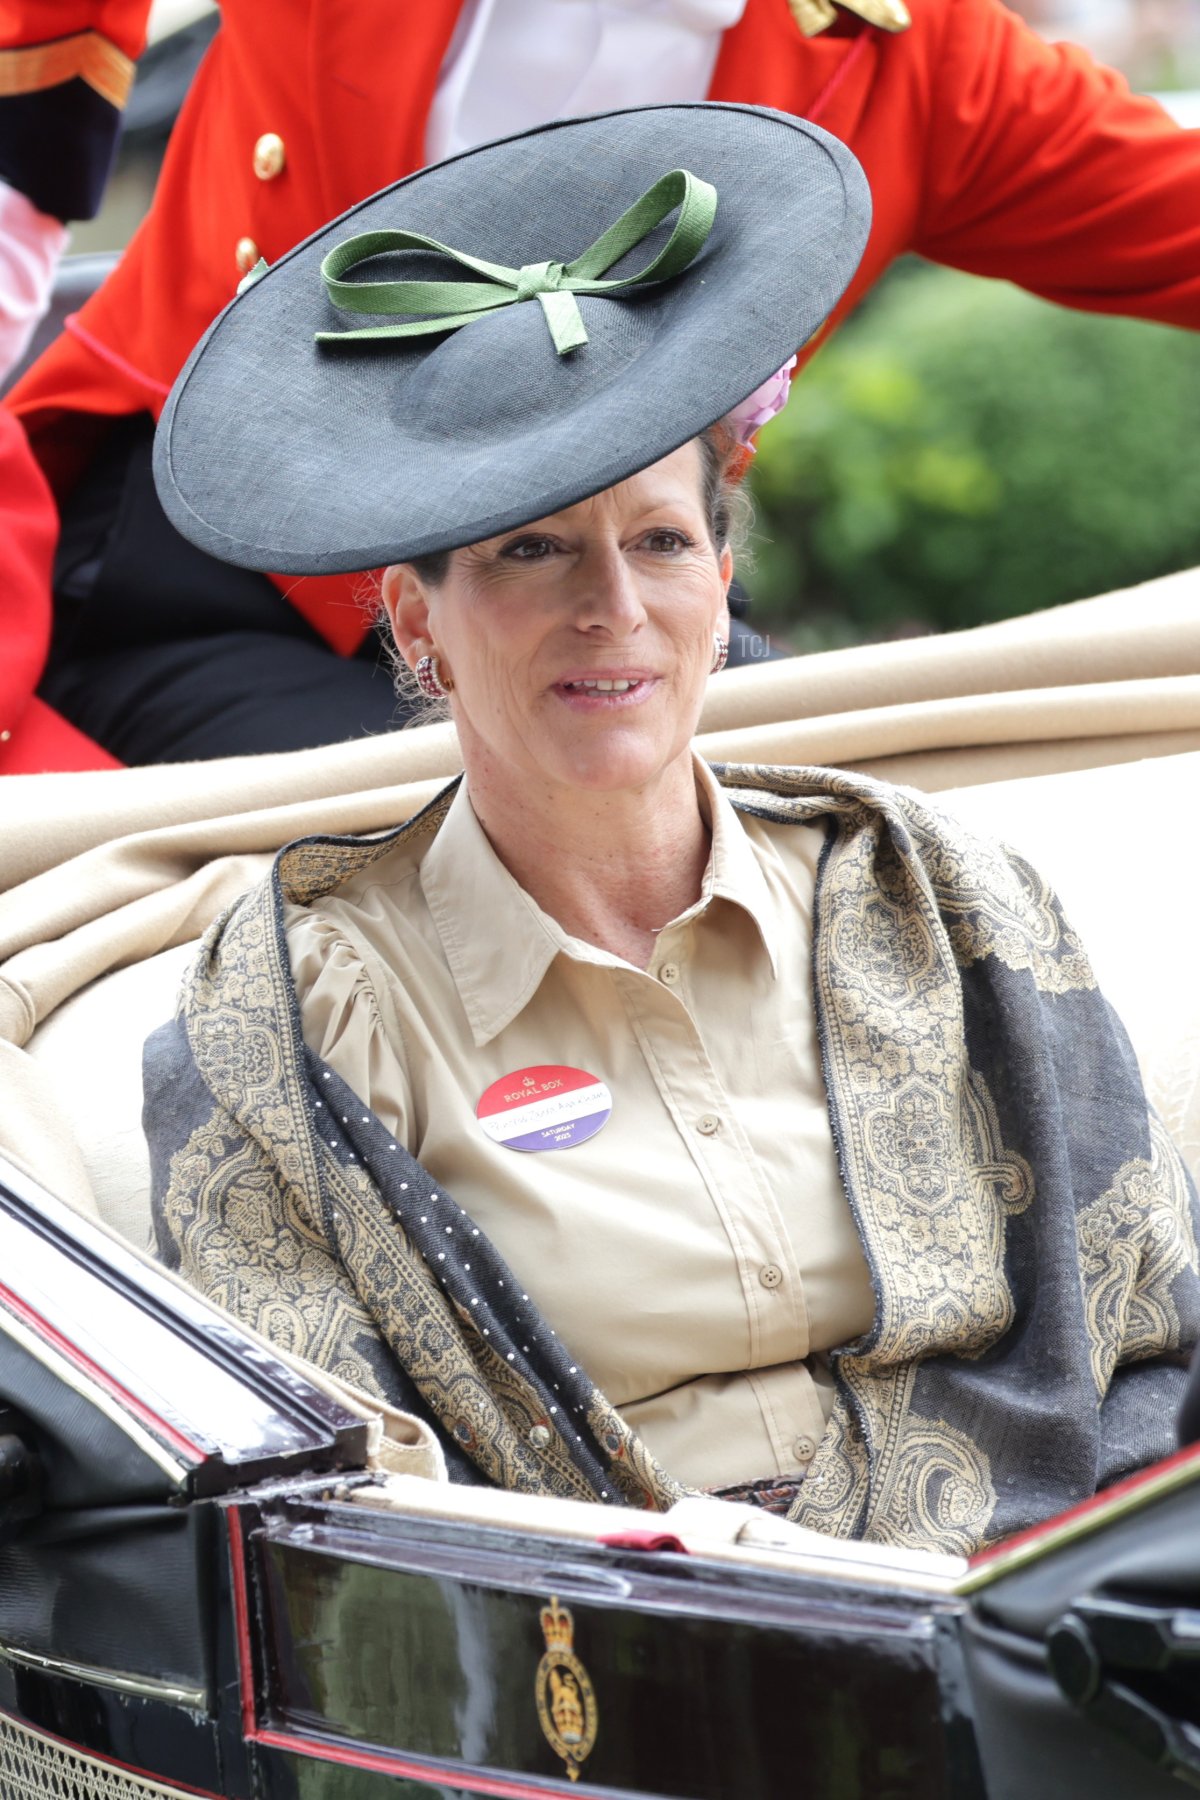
x: 529, y: 549
x: 667, y: 540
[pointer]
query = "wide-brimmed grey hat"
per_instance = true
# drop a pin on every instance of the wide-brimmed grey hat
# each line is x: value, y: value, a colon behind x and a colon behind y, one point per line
x: 293, y: 443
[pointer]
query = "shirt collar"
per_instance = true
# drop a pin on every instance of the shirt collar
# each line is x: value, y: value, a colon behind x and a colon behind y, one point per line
x: 499, y: 943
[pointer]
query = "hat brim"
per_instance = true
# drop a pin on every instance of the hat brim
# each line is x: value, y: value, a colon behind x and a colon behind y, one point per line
x: 275, y: 452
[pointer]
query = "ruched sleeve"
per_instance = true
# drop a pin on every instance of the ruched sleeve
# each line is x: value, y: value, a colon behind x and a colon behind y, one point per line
x: 341, y: 1018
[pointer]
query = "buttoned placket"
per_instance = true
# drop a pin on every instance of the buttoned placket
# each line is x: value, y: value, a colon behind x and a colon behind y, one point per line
x: 658, y: 1004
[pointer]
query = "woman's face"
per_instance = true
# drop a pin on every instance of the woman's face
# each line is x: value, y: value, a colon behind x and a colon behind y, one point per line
x: 624, y: 589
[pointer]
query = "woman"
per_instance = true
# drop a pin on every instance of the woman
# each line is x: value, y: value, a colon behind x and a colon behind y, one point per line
x: 770, y: 1098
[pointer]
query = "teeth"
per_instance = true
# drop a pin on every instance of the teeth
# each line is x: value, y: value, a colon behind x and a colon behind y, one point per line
x: 603, y: 687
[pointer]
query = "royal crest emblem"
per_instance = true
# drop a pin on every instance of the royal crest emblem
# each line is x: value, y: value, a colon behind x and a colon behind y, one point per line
x: 565, y: 1702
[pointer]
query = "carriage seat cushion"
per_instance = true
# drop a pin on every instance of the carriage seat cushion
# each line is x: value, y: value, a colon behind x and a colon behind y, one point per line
x: 1116, y: 842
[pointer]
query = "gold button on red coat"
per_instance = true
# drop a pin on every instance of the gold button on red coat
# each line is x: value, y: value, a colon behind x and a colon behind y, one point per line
x: 269, y: 156
x: 247, y: 254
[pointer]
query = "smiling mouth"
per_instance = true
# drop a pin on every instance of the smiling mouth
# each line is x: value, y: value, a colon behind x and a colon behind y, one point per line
x: 600, y: 687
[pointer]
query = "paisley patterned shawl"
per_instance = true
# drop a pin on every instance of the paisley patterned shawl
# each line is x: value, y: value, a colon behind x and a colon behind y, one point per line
x: 1031, y: 1232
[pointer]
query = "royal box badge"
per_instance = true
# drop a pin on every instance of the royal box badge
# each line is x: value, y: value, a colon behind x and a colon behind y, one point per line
x: 565, y: 1701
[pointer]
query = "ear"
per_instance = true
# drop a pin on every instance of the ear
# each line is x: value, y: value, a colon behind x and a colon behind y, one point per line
x: 407, y: 605
x: 725, y: 564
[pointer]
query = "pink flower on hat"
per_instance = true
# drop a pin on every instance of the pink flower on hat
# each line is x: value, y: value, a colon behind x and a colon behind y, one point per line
x: 752, y: 413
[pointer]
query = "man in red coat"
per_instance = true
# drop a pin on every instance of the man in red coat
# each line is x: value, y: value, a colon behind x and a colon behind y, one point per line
x: 985, y: 149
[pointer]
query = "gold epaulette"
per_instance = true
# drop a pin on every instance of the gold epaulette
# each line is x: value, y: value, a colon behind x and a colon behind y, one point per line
x: 816, y: 16
x: 85, y: 54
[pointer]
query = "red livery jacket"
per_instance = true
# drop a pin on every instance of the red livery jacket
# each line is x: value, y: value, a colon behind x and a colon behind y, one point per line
x: 985, y: 148
x: 32, y: 736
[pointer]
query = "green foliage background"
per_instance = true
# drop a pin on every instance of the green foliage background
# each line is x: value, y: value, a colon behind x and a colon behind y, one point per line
x: 962, y: 452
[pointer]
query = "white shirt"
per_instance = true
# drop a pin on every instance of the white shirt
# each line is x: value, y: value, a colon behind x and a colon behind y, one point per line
x: 513, y: 64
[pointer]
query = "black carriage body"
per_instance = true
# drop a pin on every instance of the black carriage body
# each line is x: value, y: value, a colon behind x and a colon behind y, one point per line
x: 203, y: 1590
x: 706, y: 1682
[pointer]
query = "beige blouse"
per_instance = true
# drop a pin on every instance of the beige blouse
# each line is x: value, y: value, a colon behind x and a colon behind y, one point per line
x: 697, y: 1254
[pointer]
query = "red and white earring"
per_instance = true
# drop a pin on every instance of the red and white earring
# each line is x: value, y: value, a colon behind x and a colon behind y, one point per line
x: 432, y: 683
x: 720, y: 653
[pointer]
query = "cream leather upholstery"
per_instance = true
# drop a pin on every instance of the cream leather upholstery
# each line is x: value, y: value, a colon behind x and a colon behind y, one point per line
x: 1122, y: 848
x: 91, y: 1050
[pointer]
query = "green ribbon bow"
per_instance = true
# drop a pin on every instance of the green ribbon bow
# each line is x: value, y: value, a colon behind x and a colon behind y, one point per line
x: 449, y: 304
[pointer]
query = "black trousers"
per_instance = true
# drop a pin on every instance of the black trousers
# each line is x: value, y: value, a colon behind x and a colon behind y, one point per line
x: 162, y: 654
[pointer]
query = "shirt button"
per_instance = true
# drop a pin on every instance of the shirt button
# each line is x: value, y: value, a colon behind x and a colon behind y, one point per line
x: 669, y: 973
x: 269, y: 156
x: 539, y: 1436
x: 804, y: 1449
x: 708, y: 1124
x: 246, y: 254
x: 770, y: 1275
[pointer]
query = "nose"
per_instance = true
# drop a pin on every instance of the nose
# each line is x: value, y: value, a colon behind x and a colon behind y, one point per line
x: 607, y: 596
